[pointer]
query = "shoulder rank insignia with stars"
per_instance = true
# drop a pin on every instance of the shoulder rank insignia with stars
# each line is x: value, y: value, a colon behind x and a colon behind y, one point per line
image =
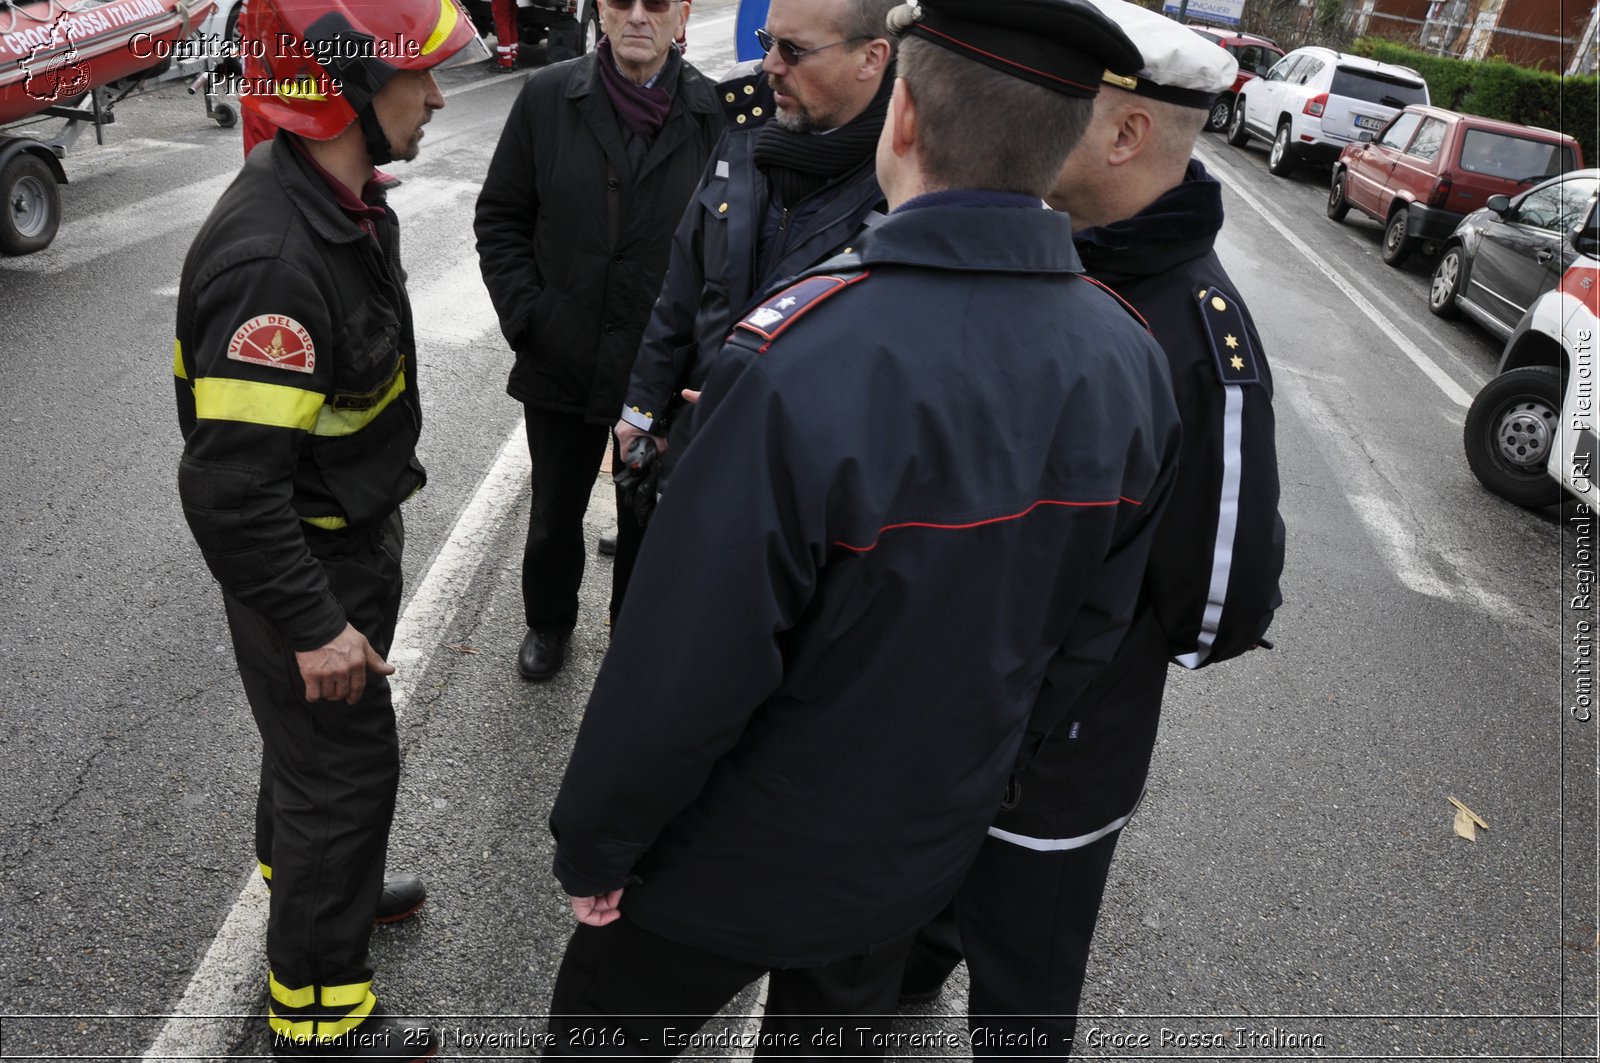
x: 768, y: 320
x: 1230, y: 339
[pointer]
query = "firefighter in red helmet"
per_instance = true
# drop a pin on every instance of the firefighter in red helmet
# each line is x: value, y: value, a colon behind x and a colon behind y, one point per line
x: 296, y: 376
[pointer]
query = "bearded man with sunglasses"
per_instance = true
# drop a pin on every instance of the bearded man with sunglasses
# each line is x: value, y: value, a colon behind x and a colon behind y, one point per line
x: 574, y: 224
x: 791, y: 183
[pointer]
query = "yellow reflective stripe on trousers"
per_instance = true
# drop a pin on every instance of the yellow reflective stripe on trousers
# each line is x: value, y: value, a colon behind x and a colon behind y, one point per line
x: 333, y: 421
x: 177, y: 360
x: 441, y: 32
x: 251, y: 402
x: 311, y: 1030
x: 266, y: 872
x: 327, y: 523
x: 303, y: 997
x: 330, y: 996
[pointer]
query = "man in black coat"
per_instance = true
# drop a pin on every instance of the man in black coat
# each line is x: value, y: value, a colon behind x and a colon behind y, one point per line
x: 919, y: 473
x: 598, y: 157
x: 791, y: 183
x: 1145, y: 217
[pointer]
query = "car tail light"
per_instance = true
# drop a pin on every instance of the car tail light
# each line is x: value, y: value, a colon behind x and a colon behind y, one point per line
x: 1316, y: 105
x: 1440, y: 195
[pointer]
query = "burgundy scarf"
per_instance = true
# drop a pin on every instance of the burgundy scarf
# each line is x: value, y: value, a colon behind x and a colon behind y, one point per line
x: 644, y: 110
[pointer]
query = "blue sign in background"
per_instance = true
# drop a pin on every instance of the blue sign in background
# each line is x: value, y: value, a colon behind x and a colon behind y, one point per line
x: 751, y: 17
x: 1226, y: 12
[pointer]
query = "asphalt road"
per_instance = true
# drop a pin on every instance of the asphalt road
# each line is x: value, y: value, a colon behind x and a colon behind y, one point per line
x: 1291, y: 886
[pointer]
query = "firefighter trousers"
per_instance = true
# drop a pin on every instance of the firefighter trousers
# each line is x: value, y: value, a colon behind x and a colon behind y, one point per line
x: 329, y: 773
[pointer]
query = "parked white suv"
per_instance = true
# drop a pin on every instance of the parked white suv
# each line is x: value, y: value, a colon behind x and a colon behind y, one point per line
x: 1314, y: 101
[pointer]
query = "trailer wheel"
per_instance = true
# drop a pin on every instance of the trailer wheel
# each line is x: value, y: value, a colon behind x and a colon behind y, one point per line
x: 32, y: 205
x: 224, y: 114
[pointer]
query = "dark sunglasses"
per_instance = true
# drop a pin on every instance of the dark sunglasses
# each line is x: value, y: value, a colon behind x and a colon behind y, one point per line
x: 792, y: 55
x: 655, y: 7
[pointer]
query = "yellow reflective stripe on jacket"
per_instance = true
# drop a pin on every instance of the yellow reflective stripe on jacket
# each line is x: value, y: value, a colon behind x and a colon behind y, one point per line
x: 327, y: 523
x: 177, y: 361
x: 249, y: 401
x: 266, y: 872
x: 347, y: 421
x: 441, y: 32
x: 329, y: 996
x: 311, y: 1030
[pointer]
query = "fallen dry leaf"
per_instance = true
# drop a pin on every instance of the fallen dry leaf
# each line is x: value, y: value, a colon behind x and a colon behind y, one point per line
x: 464, y: 648
x: 1479, y: 820
x: 1464, y: 826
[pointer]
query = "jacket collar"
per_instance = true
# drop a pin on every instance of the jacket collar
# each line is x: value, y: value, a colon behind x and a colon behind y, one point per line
x: 984, y: 239
x: 691, y: 95
x: 1182, y: 224
x: 308, y: 192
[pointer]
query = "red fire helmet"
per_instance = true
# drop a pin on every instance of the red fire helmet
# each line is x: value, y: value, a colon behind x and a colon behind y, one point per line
x: 324, y: 60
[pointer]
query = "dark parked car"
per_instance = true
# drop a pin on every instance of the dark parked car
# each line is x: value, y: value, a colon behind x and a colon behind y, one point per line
x: 1503, y: 257
x: 1430, y: 167
x: 1255, y: 56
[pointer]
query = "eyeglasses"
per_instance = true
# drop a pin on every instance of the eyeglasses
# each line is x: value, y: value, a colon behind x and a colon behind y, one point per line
x: 792, y: 55
x: 655, y: 7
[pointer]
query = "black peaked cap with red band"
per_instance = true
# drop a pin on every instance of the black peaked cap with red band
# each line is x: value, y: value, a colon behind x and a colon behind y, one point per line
x: 1064, y: 45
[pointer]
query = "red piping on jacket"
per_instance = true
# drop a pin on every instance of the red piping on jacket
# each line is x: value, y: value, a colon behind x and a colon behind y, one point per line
x: 979, y: 523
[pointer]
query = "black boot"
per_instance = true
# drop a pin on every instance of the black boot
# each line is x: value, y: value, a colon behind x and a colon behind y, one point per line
x: 543, y: 652
x: 402, y: 896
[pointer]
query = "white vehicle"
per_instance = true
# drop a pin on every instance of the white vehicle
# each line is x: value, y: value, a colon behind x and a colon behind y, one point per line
x: 1526, y: 437
x: 1314, y: 101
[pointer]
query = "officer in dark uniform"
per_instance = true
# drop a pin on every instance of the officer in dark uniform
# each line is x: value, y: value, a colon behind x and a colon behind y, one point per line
x: 790, y: 183
x: 918, y: 473
x: 297, y: 397
x: 1145, y: 217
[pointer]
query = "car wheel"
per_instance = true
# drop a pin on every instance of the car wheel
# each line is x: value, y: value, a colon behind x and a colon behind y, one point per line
x: 1511, y: 426
x: 1397, y: 246
x: 591, y: 28
x: 30, y: 205
x: 1221, y: 114
x: 1446, y: 283
x: 1338, y: 206
x: 1280, y: 160
x: 1238, y: 136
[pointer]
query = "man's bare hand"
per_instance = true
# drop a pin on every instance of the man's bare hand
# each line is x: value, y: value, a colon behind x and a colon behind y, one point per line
x: 338, y: 671
x: 598, y: 911
x: 627, y: 433
x: 691, y: 397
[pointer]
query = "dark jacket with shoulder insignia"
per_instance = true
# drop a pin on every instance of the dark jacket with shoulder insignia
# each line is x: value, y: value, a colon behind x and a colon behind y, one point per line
x: 716, y: 272
x: 297, y: 387
x: 1212, y: 584
x: 912, y: 482
x: 573, y: 240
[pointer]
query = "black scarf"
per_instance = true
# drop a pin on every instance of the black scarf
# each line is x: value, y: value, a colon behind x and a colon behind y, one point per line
x: 799, y: 164
x: 643, y: 110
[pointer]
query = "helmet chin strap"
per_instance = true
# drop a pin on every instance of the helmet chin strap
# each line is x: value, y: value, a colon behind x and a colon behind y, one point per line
x: 378, y: 146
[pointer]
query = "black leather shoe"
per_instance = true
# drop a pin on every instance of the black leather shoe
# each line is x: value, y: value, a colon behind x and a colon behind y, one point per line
x: 608, y: 544
x: 379, y: 1036
x: 543, y: 652
x: 402, y: 896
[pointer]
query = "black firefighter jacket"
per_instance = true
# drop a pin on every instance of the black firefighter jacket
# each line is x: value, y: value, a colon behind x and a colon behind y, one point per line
x: 910, y: 485
x: 296, y: 382
x: 572, y: 243
x: 715, y: 273
x: 1212, y: 585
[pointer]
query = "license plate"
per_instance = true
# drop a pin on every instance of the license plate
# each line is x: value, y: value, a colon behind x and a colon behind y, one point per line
x: 1364, y: 121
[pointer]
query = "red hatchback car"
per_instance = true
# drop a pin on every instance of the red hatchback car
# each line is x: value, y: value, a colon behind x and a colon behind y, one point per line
x: 1255, y: 55
x: 1429, y: 168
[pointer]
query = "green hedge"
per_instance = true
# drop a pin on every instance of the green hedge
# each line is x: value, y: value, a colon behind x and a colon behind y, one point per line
x: 1496, y: 89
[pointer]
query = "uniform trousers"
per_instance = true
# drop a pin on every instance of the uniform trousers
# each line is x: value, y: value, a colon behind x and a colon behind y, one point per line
x: 505, y: 31
x: 1024, y: 920
x: 622, y: 990
x: 329, y: 773
x: 565, y: 451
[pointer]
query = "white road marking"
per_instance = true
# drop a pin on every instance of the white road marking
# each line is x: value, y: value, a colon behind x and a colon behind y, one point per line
x: 232, y: 970
x: 1453, y: 391
x: 1418, y: 561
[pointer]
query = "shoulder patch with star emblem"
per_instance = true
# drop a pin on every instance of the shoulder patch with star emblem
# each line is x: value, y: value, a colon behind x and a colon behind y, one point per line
x: 782, y: 310
x: 1230, y: 339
